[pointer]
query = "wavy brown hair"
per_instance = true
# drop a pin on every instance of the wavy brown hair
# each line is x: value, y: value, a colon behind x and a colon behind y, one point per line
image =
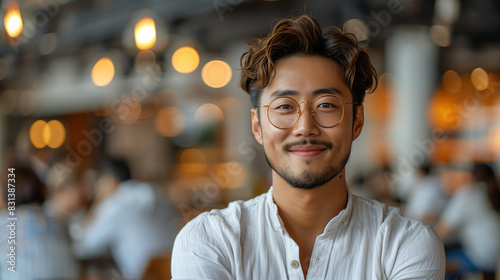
x: 303, y: 37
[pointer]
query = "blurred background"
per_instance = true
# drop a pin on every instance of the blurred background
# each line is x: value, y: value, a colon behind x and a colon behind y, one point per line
x: 95, y: 93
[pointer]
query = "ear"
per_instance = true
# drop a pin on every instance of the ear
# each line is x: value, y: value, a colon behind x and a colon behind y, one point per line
x: 257, y: 132
x: 358, y: 122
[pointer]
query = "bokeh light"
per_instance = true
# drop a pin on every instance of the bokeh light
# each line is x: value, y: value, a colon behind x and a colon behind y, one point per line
x: 51, y: 134
x: 57, y: 134
x: 103, y: 72
x: 440, y: 35
x: 37, y: 131
x: 129, y: 110
x: 13, y: 21
x: 480, y: 79
x: 452, y: 81
x: 208, y: 114
x: 185, y: 60
x: 357, y: 27
x: 442, y: 112
x: 145, y: 34
x: 192, y: 163
x: 193, y: 155
x: 170, y: 121
x: 216, y: 73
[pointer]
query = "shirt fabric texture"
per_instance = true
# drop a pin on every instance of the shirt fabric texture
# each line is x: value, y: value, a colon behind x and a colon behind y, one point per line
x: 247, y: 240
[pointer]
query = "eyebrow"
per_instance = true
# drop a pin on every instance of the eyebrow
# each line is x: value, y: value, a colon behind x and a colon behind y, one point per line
x: 288, y: 92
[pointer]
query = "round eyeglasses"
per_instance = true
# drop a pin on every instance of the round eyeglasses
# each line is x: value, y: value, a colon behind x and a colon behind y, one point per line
x: 284, y: 112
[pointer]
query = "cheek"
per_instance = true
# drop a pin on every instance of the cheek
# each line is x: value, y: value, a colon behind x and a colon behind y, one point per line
x: 273, y: 139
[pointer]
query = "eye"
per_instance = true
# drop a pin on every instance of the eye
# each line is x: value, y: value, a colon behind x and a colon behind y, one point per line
x: 285, y: 107
x: 327, y: 105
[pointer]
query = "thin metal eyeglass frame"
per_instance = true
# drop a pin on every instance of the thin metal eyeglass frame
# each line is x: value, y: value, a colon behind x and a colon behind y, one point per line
x: 311, y: 110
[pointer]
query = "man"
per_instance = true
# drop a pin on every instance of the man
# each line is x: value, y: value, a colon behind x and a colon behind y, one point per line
x: 130, y: 218
x: 307, y: 90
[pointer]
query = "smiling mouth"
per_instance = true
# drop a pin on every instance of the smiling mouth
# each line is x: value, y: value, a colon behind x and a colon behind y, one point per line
x: 307, y: 151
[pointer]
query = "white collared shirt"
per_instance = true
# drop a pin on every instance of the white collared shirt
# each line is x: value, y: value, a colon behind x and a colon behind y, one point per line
x: 366, y: 240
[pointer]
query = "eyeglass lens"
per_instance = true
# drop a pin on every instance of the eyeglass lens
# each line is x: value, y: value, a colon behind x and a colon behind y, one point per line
x: 327, y: 111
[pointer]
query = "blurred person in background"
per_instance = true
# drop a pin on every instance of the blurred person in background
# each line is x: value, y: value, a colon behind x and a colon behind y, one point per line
x: 66, y: 193
x: 130, y: 219
x: 43, y: 247
x: 473, y: 216
x: 307, y: 87
x: 427, y: 199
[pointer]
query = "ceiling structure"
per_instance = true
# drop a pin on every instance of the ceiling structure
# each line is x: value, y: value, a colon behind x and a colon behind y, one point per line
x: 82, y: 27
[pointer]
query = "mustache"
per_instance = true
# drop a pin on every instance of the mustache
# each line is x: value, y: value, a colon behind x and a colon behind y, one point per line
x: 307, y: 141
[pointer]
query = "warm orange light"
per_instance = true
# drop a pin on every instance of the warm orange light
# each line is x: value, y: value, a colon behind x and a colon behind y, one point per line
x: 193, y: 155
x: 216, y: 73
x: 479, y: 79
x: 442, y: 113
x: 170, y: 121
x: 103, y: 72
x: 38, y: 134
x: 52, y: 134
x: 452, y: 81
x: 13, y: 21
x: 145, y: 34
x: 56, y: 134
x: 185, y: 60
x: 208, y: 113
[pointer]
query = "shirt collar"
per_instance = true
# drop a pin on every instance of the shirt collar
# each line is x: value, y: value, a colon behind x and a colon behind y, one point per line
x: 340, y: 221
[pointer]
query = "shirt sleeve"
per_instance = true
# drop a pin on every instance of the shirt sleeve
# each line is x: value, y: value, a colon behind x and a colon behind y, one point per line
x: 198, y: 252
x: 100, y: 231
x: 421, y: 256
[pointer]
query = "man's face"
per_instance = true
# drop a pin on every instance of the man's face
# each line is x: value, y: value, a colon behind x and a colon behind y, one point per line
x: 307, y: 155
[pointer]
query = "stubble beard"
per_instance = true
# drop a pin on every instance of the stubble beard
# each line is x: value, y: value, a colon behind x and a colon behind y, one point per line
x: 309, y: 179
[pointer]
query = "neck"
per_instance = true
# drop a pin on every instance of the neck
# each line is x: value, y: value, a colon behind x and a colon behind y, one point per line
x: 309, y: 210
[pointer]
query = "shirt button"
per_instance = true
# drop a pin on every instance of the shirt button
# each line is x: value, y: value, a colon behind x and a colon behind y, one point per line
x: 295, y: 264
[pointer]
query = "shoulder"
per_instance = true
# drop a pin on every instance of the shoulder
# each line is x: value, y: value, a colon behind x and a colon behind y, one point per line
x: 383, y: 216
x: 393, y: 230
x: 405, y: 245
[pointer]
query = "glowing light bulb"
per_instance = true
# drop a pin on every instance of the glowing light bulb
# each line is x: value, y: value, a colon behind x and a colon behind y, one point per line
x: 185, y: 60
x: 145, y: 34
x: 38, y: 134
x: 103, y: 72
x: 13, y: 21
x: 216, y: 73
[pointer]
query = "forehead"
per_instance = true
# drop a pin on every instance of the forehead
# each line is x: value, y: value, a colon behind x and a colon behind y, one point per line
x: 306, y: 76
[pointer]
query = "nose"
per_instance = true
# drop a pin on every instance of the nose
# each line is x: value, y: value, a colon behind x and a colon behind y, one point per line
x: 306, y: 125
